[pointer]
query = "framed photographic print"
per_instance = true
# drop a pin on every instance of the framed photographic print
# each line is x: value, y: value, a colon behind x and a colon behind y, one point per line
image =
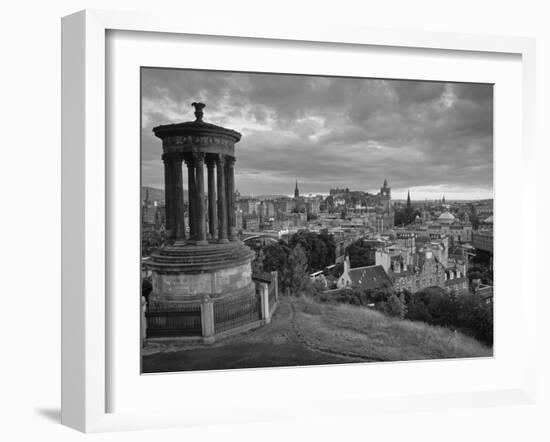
x: 251, y: 213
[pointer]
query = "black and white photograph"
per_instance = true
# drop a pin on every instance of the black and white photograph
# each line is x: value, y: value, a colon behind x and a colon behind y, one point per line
x: 296, y: 220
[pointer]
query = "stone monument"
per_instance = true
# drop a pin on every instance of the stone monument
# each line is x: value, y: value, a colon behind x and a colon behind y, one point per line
x: 203, y: 272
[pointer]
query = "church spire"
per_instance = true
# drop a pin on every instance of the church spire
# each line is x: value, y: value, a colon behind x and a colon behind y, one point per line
x: 385, y: 182
x: 296, y: 191
x: 408, y: 199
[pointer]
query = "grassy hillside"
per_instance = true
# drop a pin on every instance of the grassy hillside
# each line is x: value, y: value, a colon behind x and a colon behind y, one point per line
x: 305, y: 332
x: 366, y: 332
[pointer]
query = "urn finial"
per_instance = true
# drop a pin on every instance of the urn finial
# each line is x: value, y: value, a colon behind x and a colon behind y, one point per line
x: 198, y: 110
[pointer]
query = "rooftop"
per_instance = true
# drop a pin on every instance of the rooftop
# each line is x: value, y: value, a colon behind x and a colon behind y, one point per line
x: 370, y: 277
x: 446, y: 216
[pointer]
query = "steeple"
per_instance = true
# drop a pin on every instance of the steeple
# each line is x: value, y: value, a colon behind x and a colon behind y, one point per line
x: 296, y: 191
x: 385, y: 182
x: 408, y: 199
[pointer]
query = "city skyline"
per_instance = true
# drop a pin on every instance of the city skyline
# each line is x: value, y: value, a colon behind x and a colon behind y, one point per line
x: 325, y: 194
x: 429, y: 138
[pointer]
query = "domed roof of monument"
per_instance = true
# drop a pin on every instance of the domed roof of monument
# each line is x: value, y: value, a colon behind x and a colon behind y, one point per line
x: 446, y: 216
x: 197, y: 127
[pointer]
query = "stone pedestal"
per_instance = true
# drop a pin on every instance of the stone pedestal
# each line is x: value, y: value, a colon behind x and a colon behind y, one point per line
x: 193, y: 271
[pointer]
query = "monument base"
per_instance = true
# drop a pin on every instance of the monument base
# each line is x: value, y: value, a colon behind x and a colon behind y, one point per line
x: 202, y: 290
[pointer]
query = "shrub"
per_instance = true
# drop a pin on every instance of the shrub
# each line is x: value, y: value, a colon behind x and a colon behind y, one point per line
x: 464, y: 312
x: 396, y: 306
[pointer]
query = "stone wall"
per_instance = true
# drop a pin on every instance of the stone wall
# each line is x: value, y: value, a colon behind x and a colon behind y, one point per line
x: 181, y: 286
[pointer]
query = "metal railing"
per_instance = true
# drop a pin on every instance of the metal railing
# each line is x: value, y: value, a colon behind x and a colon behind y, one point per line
x: 180, y: 321
x: 236, y: 311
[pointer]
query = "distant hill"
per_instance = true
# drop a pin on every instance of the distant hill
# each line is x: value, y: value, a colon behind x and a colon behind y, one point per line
x: 268, y: 197
x: 156, y: 194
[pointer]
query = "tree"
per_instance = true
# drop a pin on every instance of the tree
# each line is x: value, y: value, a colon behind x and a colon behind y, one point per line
x: 483, y: 317
x: 330, y: 244
x: 295, y: 275
x: 464, y: 312
x: 319, y: 286
x: 320, y: 249
x: 480, y: 270
x: 364, y: 297
x: 361, y: 254
x: 150, y: 240
x: 418, y: 311
x: 434, y: 306
x: 377, y: 296
x: 275, y: 257
x: 396, y: 306
x: 258, y: 262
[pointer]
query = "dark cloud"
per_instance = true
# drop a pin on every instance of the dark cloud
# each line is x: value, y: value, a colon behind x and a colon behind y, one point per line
x: 326, y: 132
x: 411, y: 92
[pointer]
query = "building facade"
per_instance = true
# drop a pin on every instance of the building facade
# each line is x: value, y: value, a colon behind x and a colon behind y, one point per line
x: 414, y: 264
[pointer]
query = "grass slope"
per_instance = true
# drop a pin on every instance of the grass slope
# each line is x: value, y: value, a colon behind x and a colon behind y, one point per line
x: 305, y: 332
x: 365, y: 332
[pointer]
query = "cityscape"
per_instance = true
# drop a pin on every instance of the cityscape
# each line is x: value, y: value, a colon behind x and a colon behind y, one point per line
x: 237, y: 275
x: 451, y: 230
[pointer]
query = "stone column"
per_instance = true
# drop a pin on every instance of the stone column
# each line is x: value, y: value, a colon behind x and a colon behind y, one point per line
x: 192, y: 192
x: 212, y: 210
x: 222, y: 206
x: 179, y: 215
x: 230, y: 195
x: 200, y: 214
x: 168, y: 197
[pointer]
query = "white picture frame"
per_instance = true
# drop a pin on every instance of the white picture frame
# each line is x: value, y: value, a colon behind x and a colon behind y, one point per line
x: 86, y: 351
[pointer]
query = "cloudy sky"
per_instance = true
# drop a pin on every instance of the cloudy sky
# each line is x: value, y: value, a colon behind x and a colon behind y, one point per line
x: 433, y: 138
